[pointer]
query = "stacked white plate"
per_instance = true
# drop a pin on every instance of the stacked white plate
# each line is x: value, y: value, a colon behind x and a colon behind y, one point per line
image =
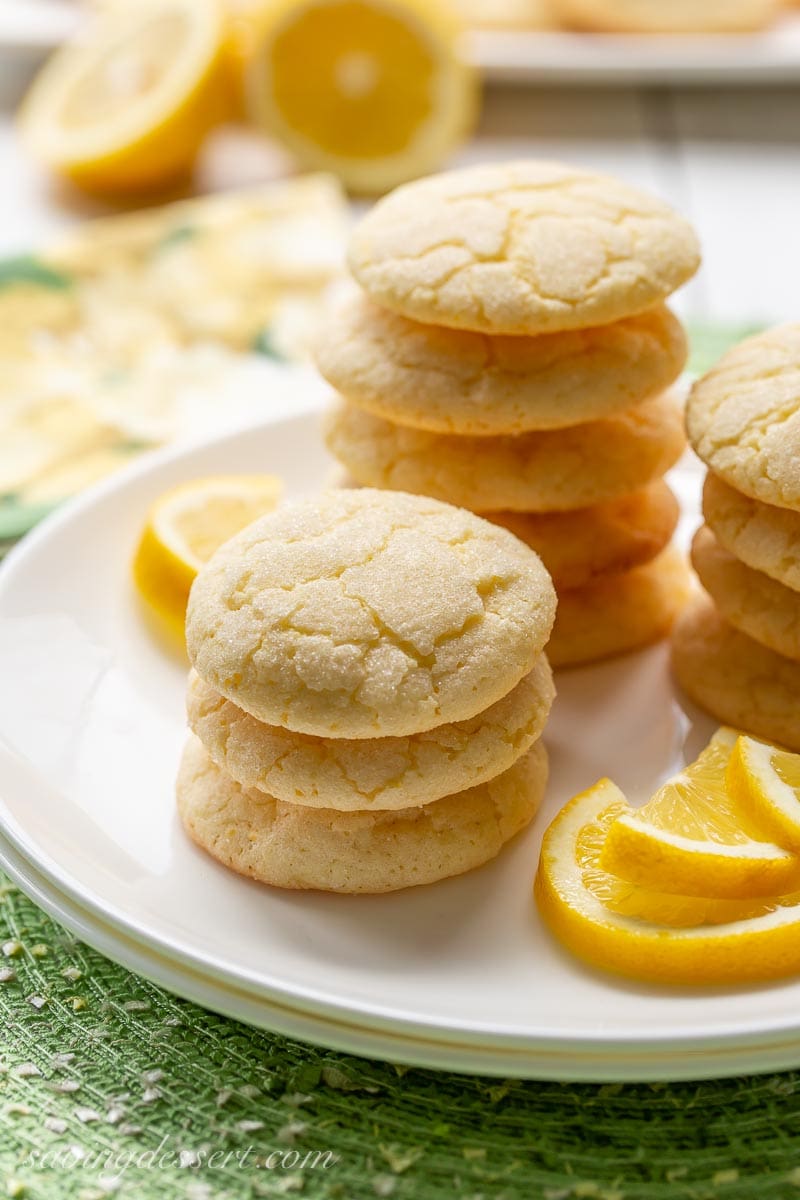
x: 459, y: 975
x: 31, y: 29
x: 767, y: 58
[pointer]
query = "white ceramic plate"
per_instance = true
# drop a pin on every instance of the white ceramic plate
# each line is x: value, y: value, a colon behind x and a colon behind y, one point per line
x: 243, y: 1005
x: 91, y: 727
x: 668, y: 1062
x: 771, y: 57
x: 32, y: 28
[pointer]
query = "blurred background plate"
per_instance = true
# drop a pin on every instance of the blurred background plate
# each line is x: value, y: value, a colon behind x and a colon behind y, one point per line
x: 30, y: 29
x: 572, y: 59
x: 356, y: 1039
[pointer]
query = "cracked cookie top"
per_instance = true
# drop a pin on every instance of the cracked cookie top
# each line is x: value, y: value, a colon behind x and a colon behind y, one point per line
x: 455, y: 381
x: 364, y: 614
x: 761, y: 607
x: 762, y: 536
x: 371, y: 773
x: 521, y: 248
x: 292, y: 846
x: 734, y: 677
x: 554, y: 470
x: 743, y: 417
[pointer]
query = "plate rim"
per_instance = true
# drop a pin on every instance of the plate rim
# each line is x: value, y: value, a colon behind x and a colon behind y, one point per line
x: 359, y: 1039
x: 763, y: 57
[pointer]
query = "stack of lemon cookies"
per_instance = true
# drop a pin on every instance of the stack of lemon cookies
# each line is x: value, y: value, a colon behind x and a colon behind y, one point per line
x: 368, y: 694
x: 510, y: 351
x: 736, y: 650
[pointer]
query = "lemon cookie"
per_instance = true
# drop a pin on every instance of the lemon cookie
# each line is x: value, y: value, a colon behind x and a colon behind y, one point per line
x: 293, y: 846
x: 577, y: 547
x: 738, y: 681
x: 371, y: 773
x: 368, y: 614
x: 507, y: 14
x: 620, y: 613
x: 667, y: 16
x: 743, y: 417
x: 551, y: 471
x: 521, y: 247
x: 764, y: 537
x: 759, y: 606
x: 455, y: 381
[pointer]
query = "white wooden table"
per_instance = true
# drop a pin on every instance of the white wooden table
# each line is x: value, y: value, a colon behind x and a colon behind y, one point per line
x: 728, y: 159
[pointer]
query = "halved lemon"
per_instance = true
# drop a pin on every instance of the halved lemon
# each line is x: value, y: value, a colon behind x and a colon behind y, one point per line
x: 642, y: 933
x: 240, y: 23
x: 375, y: 91
x: 694, y: 839
x: 184, y: 528
x: 126, y: 105
x: 765, y: 782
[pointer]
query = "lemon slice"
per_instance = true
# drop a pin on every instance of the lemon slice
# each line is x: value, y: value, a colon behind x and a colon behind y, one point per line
x: 766, y: 784
x: 694, y: 839
x: 644, y: 934
x: 373, y: 90
x: 184, y: 528
x: 126, y: 106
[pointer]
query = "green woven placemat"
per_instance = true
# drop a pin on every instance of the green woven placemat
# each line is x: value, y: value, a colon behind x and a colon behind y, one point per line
x: 110, y: 1086
x: 124, y: 1082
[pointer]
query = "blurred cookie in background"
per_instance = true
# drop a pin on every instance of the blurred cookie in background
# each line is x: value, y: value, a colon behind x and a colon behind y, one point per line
x: 667, y: 16
x: 508, y: 14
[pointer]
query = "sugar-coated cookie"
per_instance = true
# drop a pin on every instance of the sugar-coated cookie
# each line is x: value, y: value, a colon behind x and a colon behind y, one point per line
x: 620, y: 613
x: 743, y: 417
x: 371, y: 773
x: 522, y: 247
x: 749, y: 600
x: 368, y: 614
x: 667, y: 16
x: 293, y: 846
x: 556, y: 470
x: 577, y: 547
x: 763, y: 536
x: 455, y: 381
x: 738, y: 681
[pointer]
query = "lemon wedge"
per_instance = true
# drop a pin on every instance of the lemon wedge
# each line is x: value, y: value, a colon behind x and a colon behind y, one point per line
x: 374, y: 91
x: 126, y: 105
x: 693, y: 838
x: 765, y: 782
x: 645, y: 934
x: 184, y: 528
